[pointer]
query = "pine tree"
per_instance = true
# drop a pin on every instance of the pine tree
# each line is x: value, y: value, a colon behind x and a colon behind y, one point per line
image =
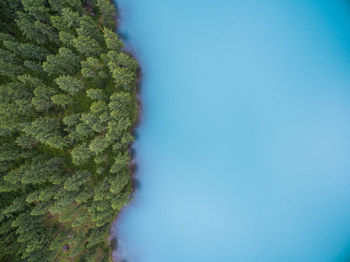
x: 26, y: 50
x: 66, y: 21
x: 37, y: 9
x: 66, y: 39
x: 87, y: 46
x: 98, y: 145
x: 91, y: 67
x: 58, y: 5
x: 95, y: 94
x: 81, y: 154
x: 123, y: 77
x: 108, y: 12
x: 10, y: 64
x: 88, y: 27
x: 69, y: 84
x: 65, y: 62
x: 42, y: 101
x: 121, y: 163
x: 30, y: 81
x: 119, y: 182
x: 47, y: 131
x: 120, y: 104
x: 74, y: 182
x: 124, y: 60
x: 62, y: 100
x: 112, y: 40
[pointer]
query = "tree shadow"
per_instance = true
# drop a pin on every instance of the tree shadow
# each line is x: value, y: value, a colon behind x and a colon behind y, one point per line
x: 123, y: 35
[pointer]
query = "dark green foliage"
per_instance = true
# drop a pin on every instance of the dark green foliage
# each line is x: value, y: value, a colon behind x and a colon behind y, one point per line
x: 99, y: 144
x: 120, y: 200
x: 67, y: 39
x: 74, y: 182
x: 113, y: 42
x: 27, y: 50
x: 30, y: 81
x: 69, y: 84
x: 122, y: 71
x: 47, y: 131
x: 36, y: 171
x: 71, y: 121
x: 123, y: 77
x: 15, y: 106
x: 124, y: 60
x: 35, y: 23
x: 10, y: 64
x: 108, y: 12
x: 62, y: 100
x: 65, y: 62
x: 37, y: 9
x: 67, y: 112
x: 87, y: 46
x: 88, y: 27
x: 81, y: 154
x: 34, y: 66
x: 6, y: 37
x: 84, y: 196
x: 58, y: 5
x: 8, y: 14
x: 97, y: 236
x: 66, y: 21
x: 92, y: 68
x: 42, y: 98
x: 120, y: 104
x: 121, y: 162
x: 118, y: 182
x: 95, y: 94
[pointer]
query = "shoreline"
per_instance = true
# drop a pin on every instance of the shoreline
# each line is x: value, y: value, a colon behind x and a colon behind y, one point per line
x: 133, y: 166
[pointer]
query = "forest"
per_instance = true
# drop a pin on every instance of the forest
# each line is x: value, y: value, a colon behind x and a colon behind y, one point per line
x: 68, y: 109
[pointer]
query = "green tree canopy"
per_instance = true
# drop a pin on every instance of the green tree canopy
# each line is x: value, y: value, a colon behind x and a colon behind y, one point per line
x: 69, y: 84
x: 67, y: 112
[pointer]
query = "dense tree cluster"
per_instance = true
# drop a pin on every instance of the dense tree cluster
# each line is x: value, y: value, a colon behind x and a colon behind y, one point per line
x: 67, y: 112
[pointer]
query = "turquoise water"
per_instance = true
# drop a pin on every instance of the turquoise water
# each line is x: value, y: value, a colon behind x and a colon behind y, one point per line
x: 244, y: 146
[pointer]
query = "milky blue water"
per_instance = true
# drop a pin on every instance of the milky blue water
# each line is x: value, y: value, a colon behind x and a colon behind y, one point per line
x: 244, y: 146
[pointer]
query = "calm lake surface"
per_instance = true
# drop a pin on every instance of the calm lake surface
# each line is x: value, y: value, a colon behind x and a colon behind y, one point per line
x: 244, y: 146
